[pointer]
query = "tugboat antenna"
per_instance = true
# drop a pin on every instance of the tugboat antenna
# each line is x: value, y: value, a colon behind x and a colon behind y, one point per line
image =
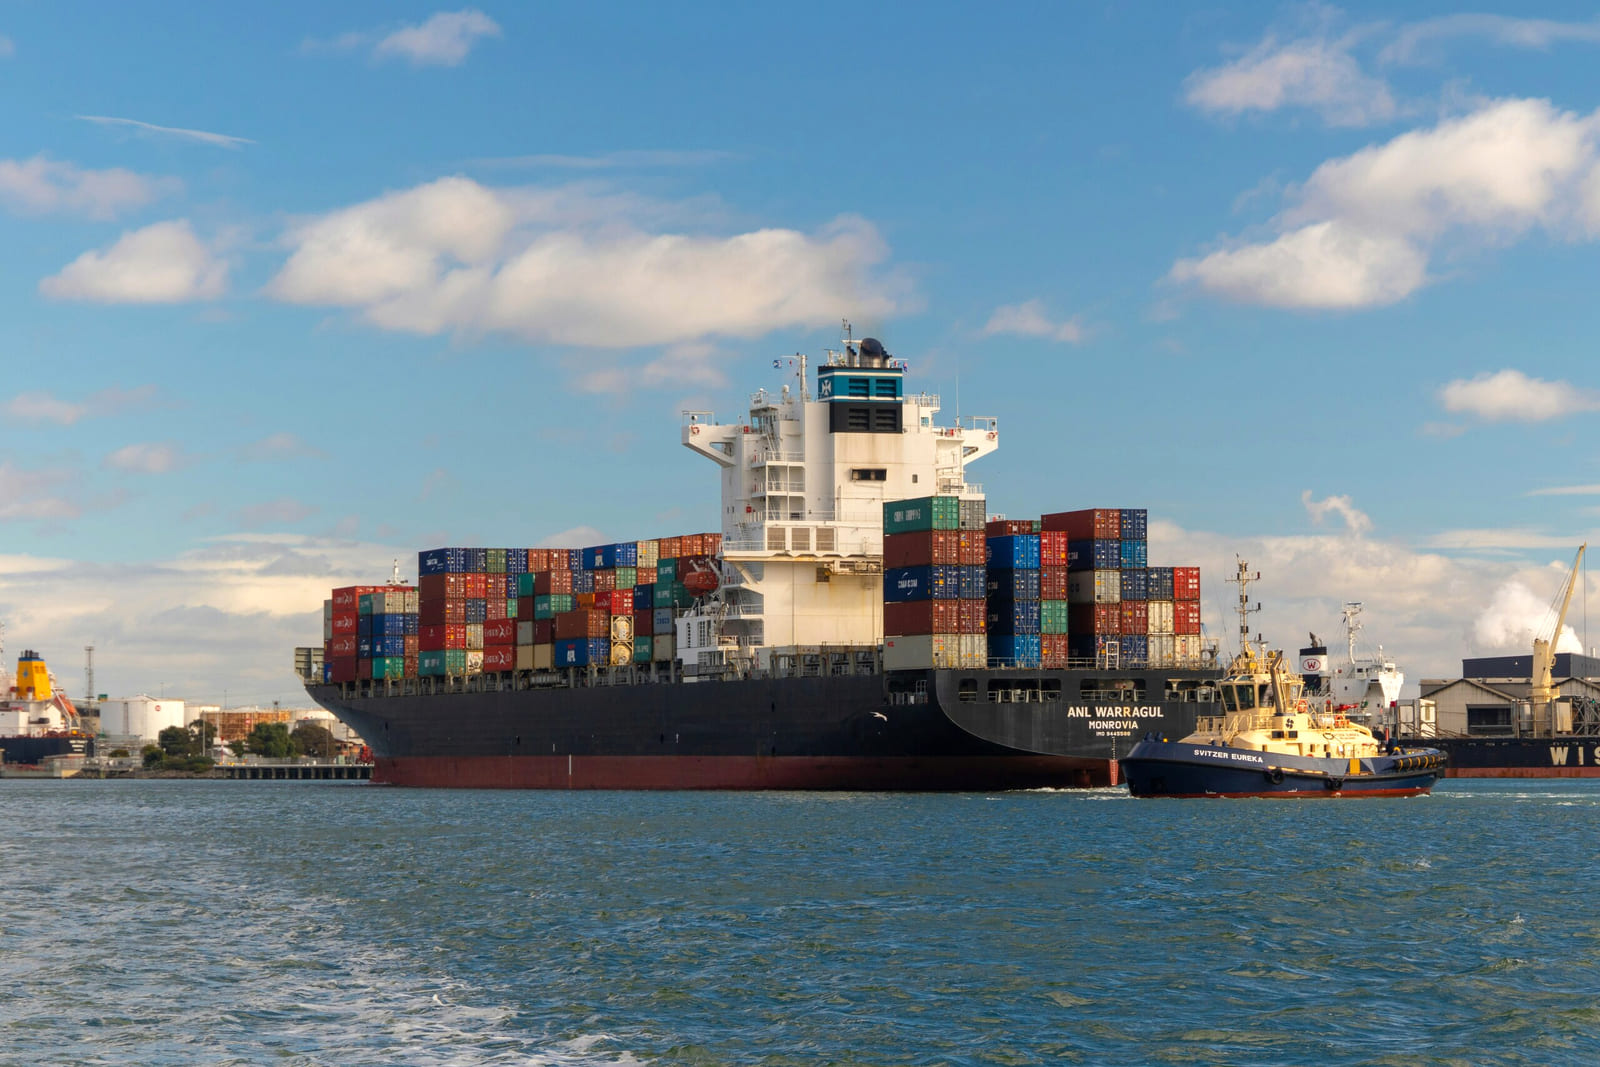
x: 1243, y: 579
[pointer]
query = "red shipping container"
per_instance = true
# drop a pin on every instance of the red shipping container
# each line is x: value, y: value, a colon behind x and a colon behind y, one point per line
x: 1089, y: 524
x: 1053, y: 651
x: 643, y: 624
x: 553, y: 581
x: 411, y: 664
x: 544, y: 631
x: 499, y: 658
x: 500, y: 632
x: 1053, y: 550
x: 1007, y: 527
x: 538, y: 559
x: 364, y: 670
x: 524, y: 609
x: 644, y: 575
x: 915, y: 617
x: 438, y: 638
x: 346, y: 623
x: 670, y: 547
x: 1186, y: 617
x: 343, y: 669
x: 1053, y: 583
x: 348, y: 598
x: 413, y: 645
x: 711, y: 544
x: 342, y: 645
x: 441, y: 587
x: 494, y: 608
x: 1103, y: 619
x: 921, y: 549
x: 691, y: 545
x: 441, y: 612
x: 972, y: 551
x: 622, y: 601
x: 476, y: 585
x: 1186, y: 584
x: 605, y: 581
x: 974, y: 616
x: 585, y: 622
x: 1135, y: 617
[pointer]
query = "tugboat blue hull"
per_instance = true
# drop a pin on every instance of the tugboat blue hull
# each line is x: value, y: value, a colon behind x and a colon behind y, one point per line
x: 1185, y: 769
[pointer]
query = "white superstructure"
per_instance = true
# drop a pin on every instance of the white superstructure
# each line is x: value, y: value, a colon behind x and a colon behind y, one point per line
x: 804, y: 479
x: 1363, y: 683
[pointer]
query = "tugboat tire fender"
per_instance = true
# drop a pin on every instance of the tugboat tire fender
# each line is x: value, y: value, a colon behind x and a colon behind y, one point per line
x: 1334, y: 784
x: 1275, y: 776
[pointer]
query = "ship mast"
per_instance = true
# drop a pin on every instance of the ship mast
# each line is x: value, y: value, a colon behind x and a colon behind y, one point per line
x: 1243, y: 579
x: 1352, y: 626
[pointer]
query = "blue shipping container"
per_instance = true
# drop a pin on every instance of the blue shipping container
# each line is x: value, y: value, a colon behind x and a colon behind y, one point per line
x: 1014, y: 650
x: 327, y: 674
x: 1135, y: 648
x: 1135, y: 524
x: 663, y: 620
x: 583, y: 581
x: 1013, y: 616
x: 930, y: 582
x: 974, y: 583
x: 516, y: 563
x: 1014, y: 552
x: 442, y: 561
x: 1012, y: 585
x: 1158, y: 583
x: 477, y: 610
x: 644, y: 598
x: 364, y: 626
x: 477, y: 560
x: 1134, y: 554
x: 582, y: 651
x: 1135, y: 584
x: 390, y: 624
x: 610, y: 557
x: 389, y: 645
x: 1094, y: 555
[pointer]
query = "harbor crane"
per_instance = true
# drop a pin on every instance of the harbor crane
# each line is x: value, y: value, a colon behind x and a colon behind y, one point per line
x: 1542, y: 692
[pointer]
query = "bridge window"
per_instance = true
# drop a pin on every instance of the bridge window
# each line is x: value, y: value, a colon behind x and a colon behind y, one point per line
x: 869, y: 474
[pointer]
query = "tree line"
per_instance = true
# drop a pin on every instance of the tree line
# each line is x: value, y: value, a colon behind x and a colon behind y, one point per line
x: 184, y: 748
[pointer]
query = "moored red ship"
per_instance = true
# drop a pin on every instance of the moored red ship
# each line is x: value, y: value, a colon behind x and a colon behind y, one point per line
x: 859, y: 622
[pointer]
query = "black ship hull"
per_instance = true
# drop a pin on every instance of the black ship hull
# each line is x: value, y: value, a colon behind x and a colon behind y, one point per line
x: 1521, y: 757
x: 28, y: 751
x: 1186, y: 769
x: 917, y: 730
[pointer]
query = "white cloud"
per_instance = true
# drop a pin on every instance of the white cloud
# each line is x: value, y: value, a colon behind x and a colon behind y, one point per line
x: 219, y: 140
x: 577, y: 537
x: 573, y: 267
x: 36, y: 494
x: 620, y: 160
x: 42, y: 185
x: 1029, y: 319
x: 161, y: 264
x: 443, y: 40
x: 1512, y: 538
x: 1539, y: 34
x: 46, y: 407
x: 280, y: 446
x: 1511, y: 395
x: 1567, y: 490
x: 1314, y: 73
x: 1361, y: 230
x: 153, y: 457
x: 1515, y: 615
x: 282, y: 511
x: 1356, y: 521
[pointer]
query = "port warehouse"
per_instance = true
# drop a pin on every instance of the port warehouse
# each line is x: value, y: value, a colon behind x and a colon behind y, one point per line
x: 1491, y: 699
x: 959, y: 589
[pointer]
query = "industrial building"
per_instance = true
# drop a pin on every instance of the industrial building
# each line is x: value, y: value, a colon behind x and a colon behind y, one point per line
x: 1491, y: 698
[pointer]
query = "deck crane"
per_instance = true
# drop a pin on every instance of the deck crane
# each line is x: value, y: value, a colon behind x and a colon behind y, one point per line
x: 1542, y: 692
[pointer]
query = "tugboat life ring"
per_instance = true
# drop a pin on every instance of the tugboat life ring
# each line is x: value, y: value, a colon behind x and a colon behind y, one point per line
x: 694, y: 430
x: 992, y: 435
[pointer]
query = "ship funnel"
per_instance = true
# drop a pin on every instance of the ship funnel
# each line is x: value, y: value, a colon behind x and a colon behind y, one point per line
x: 33, y: 678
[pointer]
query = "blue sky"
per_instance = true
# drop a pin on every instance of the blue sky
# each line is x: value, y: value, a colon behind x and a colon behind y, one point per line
x: 291, y: 294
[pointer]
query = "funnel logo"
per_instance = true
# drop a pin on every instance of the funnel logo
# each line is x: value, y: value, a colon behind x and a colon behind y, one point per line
x: 1314, y: 664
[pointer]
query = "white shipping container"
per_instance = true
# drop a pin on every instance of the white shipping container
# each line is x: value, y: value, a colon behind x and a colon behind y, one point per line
x: 662, y: 647
x: 1159, y: 613
x: 475, y: 640
x: 974, y: 651
x: 1186, y: 647
x: 1163, y: 647
x: 327, y: 629
x: 921, y: 651
x: 410, y: 602
x: 1094, y: 587
x: 327, y: 609
x: 475, y: 658
x: 524, y: 637
x: 649, y: 553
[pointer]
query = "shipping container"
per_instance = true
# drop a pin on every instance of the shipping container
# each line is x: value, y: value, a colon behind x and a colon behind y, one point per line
x: 1086, y: 646
x: 625, y: 577
x: 672, y: 595
x: 364, y: 646
x: 1158, y: 583
x: 971, y: 548
x: 343, y: 645
x: 497, y: 658
x: 922, y: 548
x: 922, y: 617
x: 1094, y: 587
x: 346, y: 624
x: 1186, y: 648
x: 1055, y: 651
x: 551, y: 605
x: 1136, y: 584
x: 1135, y: 619
x: 1186, y: 617
x: 582, y: 652
x: 973, y: 512
x: 1012, y: 585
x: 922, y: 583
x: 646, y: 553
x: 1017, y: 551
x: 516, y: 560
x: 1186, y: 583
x: 974, y: 583
x: 477, y: 610
x: 1014, y: 650
x: 1054, y: 617
x: 621, y: 629
x: 972, y: 616
x: 609, y: 557
x: 475, y: 585
x: 544, y: 631
x: 922, y: 513
x: 440, y: 612
x: 389, y: 645
x: 1103, y: 619
x: 663, y: 647
x: 583, y: 623
x: 474, y: 658
x: 525, y: 633
x: 1134, y: 554
x: 544, y: 657
x: 1012, y: 616
x: 474, y: 637
x: 1094, y: 555
x: 642, y: 648
x: 1088, y: 524
x: 663, y: 620
x: 494, y: 560
x: 1006, y: 527
x: 341, y: 669
x: 1053, y: 549
x: 1159, y: 616
x: 441, y: 561
x: 1163, y: 650
x: 973, y: 651
x: 1135, y: 648
x: 501, y: 632
x: 1053, y: 583
x: 390, y: 624
x: 1135, y: 524
x: 921, y: 651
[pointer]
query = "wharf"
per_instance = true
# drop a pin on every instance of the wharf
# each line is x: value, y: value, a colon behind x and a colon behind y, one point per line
x: 296, y: 771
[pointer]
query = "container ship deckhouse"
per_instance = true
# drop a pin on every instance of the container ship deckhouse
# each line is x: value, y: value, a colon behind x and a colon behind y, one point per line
x: 859, y: 623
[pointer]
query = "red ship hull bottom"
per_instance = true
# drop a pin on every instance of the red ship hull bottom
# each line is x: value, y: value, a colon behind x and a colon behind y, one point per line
x: 1523, y: 772
x: 852, y: 773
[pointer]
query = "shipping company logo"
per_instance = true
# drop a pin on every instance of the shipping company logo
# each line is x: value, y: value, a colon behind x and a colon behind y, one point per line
x: 825, y: 388
x: 1312, y: 664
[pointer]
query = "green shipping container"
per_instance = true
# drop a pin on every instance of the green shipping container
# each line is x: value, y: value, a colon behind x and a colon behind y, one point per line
x: 388, y: 667
x: 550, y: 605
x: 525, y: 584
x: 496, y: 558
x: 1053, y: 616
x: 922, y: 514
x: 626, y: 577
x: 641, y: 649
x: 430, y: 664
x: 672, y: 595
x: 364, y: 605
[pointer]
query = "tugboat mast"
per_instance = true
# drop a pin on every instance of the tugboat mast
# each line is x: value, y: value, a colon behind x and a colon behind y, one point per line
x: 1243, y: 579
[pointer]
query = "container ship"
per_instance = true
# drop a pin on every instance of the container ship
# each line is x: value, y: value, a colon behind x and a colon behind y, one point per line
x: 859, y: 622
x: 38, y: 721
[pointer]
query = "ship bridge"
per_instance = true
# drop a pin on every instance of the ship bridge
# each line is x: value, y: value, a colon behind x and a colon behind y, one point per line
x: 805, y: 475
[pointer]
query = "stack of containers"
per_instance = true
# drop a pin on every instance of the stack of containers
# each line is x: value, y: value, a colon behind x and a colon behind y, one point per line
x: 933, y: 610
x: 1159, y: 615
x: 1094, y: 576
x: 1055, y: 615
x: 1133, y: 557
x: 1013, y: 587
x: 341, y: 634
x: 387, y: 633
x: 1186, y: 613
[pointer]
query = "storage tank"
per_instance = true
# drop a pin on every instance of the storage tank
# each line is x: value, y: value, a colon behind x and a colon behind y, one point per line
x: 143, y: 717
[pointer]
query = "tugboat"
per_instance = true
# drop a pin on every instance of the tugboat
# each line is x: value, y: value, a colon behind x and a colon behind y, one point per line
x: 1269, y: 742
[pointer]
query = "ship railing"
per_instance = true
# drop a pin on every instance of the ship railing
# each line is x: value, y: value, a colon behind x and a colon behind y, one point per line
x: 926, y: 400
x: 768, y: 455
